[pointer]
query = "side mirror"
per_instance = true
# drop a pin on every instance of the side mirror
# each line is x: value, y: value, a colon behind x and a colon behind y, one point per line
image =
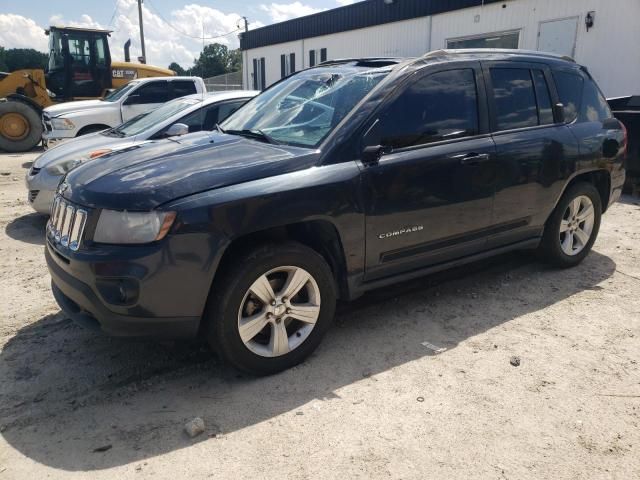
x: 558, y: 112
x: 372, y: 154
x: 177, y: 130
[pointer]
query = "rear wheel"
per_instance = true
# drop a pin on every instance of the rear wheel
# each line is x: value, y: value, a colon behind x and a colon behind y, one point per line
x: 20, y: 126
x: 573, y: 226
x: 270, y: 311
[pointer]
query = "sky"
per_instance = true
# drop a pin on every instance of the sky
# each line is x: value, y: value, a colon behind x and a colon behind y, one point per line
x: 173, y: 28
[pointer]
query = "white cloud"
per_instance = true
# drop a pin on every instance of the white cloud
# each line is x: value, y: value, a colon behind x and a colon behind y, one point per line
x: 279, y: 12
x: 164, y: 43
x: 345, y: 2
x: 17, y: 31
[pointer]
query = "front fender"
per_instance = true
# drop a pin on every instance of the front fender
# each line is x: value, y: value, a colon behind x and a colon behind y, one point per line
x: 330, y: 193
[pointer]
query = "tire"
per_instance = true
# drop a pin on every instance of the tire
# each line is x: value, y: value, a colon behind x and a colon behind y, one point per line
x: 12, y: 114
x: 555, y: 246
x: 233, y: 301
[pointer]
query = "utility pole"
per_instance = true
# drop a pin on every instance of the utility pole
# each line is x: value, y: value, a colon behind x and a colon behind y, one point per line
x: 245, y: 56
x: 144, y: 53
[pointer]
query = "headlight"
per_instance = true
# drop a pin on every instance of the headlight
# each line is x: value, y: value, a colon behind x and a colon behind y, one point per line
x: 132, y: 227
x: 62, y: 124
x: 62, y: 167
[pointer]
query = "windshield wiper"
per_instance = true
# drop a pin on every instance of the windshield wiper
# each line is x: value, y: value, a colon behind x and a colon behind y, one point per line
x: 114, y: 132
x: 254, y: 134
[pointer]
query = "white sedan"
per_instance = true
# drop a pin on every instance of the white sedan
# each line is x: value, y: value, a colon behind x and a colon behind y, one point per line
x: 177, y: 117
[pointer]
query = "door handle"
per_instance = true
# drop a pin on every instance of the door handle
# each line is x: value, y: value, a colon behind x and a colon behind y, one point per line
x: 473, y: 158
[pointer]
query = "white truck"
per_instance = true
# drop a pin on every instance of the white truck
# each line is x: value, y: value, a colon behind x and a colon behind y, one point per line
x: 69, y: 120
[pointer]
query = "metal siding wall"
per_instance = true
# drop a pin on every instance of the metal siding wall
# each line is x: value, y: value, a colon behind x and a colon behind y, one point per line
x: 351, y: 17
x: 404, y: 39
x: 609, y: 50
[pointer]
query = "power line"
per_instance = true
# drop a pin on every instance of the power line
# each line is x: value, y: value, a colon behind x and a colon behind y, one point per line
x: 115, y: 12
x: 186, y: 34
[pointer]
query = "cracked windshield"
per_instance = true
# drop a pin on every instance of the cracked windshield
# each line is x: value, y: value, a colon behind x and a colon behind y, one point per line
x: 304, y: 109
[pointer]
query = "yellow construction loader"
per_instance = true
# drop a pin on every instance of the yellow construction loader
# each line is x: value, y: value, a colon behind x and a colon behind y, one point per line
x: 79, y: 68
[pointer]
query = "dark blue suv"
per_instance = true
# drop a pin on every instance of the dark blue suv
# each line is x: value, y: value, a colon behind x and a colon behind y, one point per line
x: 339, y: 179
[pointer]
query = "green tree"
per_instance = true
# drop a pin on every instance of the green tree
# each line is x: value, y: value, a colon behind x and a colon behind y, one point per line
x: 234, y: 60
x: 19, y: 58
x: 213, y: 61
x: 177, y: 68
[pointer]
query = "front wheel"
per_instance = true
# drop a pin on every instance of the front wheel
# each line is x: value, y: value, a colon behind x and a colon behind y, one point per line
x: 573, y: 226
x: 20, y: 126
x: 269, y: 310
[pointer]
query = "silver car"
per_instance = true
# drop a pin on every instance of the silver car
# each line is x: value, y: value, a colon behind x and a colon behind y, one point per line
x: 183, y: 115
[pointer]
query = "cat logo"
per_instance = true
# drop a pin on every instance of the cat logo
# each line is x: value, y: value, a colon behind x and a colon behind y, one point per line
x: 128, y: 74
x: 402, y: 231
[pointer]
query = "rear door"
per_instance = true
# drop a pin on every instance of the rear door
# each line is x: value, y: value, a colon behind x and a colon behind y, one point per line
x: 144, y: 98
x: 429, y: 199
x: 535, y: 154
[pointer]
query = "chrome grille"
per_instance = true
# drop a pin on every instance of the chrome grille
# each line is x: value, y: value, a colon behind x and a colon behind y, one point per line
x: 66, y: 224
x: 46, y: 122
x: 33, y: 194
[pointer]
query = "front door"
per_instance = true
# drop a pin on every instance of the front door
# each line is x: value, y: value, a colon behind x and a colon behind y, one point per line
x: 429, y: 199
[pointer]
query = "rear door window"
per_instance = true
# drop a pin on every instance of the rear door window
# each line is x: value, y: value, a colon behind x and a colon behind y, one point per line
x: 545, y: 111
x: 514, y: 98
x: 180, y: 88
x: 569, y: 86
x: 438, y: 107
x: 152, y: 92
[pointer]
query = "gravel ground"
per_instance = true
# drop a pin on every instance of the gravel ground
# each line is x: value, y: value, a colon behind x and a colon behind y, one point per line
x: 415, y: 381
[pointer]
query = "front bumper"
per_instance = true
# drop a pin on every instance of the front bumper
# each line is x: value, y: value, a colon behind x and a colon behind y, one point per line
x: 75, y: 287
x: 42, y: 188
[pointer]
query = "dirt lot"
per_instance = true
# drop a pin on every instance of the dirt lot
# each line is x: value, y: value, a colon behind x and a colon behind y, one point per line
x: 414, y: 381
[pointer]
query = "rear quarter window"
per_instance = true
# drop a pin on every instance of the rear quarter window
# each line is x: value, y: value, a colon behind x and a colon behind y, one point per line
x: 569, y: 86
x: 594, y: 106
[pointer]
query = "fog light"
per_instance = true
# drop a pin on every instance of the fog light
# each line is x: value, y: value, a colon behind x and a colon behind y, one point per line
x: 118, y: 291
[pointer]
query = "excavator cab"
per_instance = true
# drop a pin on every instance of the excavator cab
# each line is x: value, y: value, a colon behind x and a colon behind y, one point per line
x: 79, y: 63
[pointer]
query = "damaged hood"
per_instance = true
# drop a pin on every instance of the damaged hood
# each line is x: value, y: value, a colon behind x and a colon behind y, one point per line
x: 143, y: 177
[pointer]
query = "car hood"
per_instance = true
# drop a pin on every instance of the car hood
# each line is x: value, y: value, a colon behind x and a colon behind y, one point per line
x: 80, y: 147
x: 80, y: 105
x: 145, y: 176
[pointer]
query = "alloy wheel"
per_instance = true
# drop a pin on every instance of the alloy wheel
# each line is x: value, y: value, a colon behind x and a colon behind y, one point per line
x: 576, y: 226
x: 279, y: 311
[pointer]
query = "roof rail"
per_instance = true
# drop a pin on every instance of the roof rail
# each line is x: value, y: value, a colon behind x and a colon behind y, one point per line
x: 507, y: 51
x: 340, y: 61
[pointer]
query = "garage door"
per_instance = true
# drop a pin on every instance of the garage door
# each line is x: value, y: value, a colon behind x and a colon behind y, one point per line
x: 558, y: 36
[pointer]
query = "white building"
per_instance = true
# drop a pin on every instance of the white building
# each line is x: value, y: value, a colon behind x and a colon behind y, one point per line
x: 600, y: 34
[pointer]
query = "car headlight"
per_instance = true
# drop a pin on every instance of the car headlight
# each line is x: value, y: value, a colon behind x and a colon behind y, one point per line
x: 62, y: 124
x: 132, y: 227
x: 62, y: 167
